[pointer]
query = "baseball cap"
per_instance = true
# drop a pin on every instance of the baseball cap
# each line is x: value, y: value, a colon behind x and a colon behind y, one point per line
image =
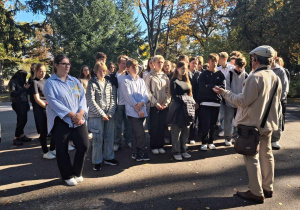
x: 264, y: 51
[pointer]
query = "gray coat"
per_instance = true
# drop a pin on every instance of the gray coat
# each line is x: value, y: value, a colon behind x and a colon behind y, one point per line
x: 101, y: 105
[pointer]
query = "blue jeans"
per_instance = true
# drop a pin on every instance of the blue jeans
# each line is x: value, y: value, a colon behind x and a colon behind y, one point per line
x: 103, y: 139
x: 120, y: 117
x: 229, y: 129
x: 221, y: 115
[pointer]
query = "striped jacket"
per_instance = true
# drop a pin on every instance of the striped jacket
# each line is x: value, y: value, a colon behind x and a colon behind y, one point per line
x: 98, y: 107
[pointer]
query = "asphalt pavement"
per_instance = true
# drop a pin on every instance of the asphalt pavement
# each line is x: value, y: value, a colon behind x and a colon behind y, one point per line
x: 208, y: 180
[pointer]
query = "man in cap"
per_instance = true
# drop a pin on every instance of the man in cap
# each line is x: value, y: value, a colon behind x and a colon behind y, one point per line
x: 252, y: 104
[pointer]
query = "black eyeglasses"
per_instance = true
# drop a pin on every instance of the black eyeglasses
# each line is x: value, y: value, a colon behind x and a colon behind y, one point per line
x: 65, y: 64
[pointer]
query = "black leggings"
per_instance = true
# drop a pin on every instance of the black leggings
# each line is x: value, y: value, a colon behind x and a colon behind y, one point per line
x: 41, y: 123
x: 21, y: 109
x: 60, y: 134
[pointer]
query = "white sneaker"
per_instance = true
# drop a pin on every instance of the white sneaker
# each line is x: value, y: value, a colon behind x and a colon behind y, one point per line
x: 192, y: 142
x: 204, y: 147
x: 221, y: 133
x: 177, y: 157
x: 275, y: 145
x: 186, y: 155
x: 161, y: 151
x: 71, y: 182
x: 211, y: 146
x: 228, y: 143
x: 53, y: 152
x: 78, y: 179
x: 129, y: 145
x: 155, y: 151
x: 116, y: 147
x: 70, y: 147
x: 48, y: 155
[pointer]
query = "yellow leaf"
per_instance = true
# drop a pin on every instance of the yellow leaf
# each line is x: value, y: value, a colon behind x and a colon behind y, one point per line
x: 280, y: 204
x: 5, y: 203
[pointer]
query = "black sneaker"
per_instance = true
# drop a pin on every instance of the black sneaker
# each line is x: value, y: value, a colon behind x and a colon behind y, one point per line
x: 17, y: 142
x: 145, y: 156
x: 112, y: 162
x: 25, y: 139
x: 138, y: 157
x: 97, y: 167
x: 133, y: 155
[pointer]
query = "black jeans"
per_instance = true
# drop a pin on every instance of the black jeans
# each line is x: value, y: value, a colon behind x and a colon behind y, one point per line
x: 157, y: 128
x: 41, y: 123
x: 21, y: 109
x: 35, y: 120
x: 60, y: 134
x: 138, y: 134
x: 208, y: 116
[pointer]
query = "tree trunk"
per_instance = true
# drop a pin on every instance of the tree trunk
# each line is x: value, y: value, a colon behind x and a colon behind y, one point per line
x: 1, y: 79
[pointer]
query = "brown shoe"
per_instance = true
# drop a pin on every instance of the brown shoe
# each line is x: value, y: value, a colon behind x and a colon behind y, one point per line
x: 268, y: 194
x: 249, y: 196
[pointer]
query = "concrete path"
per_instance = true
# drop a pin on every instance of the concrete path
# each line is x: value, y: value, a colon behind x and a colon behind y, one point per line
x: 208, y: 180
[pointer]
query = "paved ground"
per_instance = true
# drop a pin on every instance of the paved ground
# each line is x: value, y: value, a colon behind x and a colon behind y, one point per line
x: 208, y: 180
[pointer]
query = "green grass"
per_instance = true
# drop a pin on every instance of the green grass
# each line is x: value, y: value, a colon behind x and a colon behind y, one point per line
x: 4, y: 97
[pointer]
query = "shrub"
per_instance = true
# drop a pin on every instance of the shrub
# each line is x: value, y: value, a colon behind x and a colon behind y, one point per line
x: 294, y: 87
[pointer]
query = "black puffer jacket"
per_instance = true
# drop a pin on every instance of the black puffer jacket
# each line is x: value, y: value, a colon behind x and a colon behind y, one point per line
x: 16, y: 87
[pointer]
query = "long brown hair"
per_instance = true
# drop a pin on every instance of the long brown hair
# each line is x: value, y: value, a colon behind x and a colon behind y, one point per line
x: 185, y: 77
x: 81, y: 76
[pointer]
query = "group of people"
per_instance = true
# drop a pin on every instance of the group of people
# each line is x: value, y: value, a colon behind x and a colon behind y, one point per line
x: 189, y: 97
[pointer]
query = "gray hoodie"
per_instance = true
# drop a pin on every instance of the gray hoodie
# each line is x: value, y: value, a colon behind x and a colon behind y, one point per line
x: 280, y: 72
x: 237, y: 83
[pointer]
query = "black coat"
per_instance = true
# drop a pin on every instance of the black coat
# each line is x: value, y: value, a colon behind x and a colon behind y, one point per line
x: 18, y: 93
